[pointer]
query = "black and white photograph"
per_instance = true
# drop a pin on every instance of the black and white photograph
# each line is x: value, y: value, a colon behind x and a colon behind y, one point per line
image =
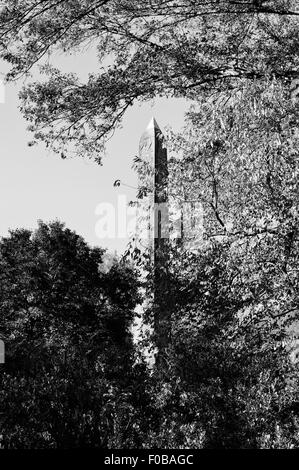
x: 149, y: 228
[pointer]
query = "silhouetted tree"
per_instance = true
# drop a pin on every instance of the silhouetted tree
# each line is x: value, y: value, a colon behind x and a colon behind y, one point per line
x: 68, y: 375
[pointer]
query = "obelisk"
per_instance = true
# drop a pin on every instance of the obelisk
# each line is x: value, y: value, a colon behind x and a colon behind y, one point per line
x: 154, y: 177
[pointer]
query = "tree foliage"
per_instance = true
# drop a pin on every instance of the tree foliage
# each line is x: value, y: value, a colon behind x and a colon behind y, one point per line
x: 240, y: 160
x: 230, y: 383
x: 153, y: 48
x: 234, y: 291
x: 69, y: 353
x: 231, y: 375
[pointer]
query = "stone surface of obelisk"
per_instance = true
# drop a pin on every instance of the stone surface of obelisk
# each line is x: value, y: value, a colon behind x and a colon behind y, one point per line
x: 154, y: 177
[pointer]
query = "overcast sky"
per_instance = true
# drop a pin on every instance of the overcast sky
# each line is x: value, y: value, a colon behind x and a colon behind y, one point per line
x: 37, y: 184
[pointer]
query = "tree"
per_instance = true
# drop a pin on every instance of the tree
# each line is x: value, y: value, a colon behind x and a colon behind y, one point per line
x: 235, y: 296
x: 240, y: 160
x: 168, y: 48
x: 68, y: 380
x: 230, y: 380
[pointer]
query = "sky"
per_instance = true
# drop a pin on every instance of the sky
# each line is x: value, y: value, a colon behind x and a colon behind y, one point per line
x: 36, y: 184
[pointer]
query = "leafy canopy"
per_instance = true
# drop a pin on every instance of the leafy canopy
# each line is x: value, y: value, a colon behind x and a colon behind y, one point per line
x: 65, y: 320
x: 162, y: 47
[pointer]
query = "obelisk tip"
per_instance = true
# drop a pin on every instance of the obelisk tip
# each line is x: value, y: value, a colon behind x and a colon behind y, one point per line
x: 153, y: 124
